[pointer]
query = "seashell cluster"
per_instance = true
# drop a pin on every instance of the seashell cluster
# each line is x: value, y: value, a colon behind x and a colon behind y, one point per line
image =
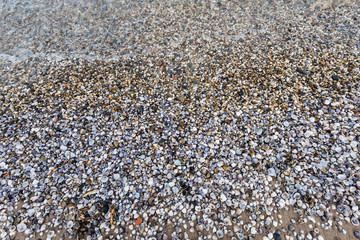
x: 179, y: 120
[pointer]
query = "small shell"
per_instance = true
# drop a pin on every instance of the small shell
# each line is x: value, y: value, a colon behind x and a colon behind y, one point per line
x: 223, y: 197
x: 297, y: 196
x: 21, y: 227
x: 285, y: 196
x: 207, y: 211
x: 240, y: 235
x: 229, y: 233
x: 299, y: 211
x: 355, y: 221
x: 70, y: 224
x: 12, y: 228
x: 207, y: 227
x: 51, y: 234
x: 220, y: 234
x: 340, y: 208
x: 246, y: 227
x: 227, y: 222
x: 309, y: 212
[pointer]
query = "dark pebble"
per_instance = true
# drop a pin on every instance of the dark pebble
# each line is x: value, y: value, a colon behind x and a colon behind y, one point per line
x: 141, y: 110
x: 91, y: 231
x: 301, y: 71
x: 104, y: 209
x: 105, y: 206
x: 241, y: 93
x: 357, y: 234
x: 277, y: 236
x: 291, y: 227
x: 335, y: 77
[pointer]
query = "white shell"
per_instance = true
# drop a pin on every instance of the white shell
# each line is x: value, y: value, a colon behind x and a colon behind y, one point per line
x: 21, y: 227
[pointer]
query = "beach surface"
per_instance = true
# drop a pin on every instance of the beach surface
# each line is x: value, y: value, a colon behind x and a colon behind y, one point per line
x: 180, y: 120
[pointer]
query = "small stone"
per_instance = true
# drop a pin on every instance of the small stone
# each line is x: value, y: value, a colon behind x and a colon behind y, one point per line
x: 277, y: 236
x: 335, y: 77
x: 177, y: 162
x: 291, y: 227
x: 301, y: 71
x: 182, y: 99
x: 357, y: 234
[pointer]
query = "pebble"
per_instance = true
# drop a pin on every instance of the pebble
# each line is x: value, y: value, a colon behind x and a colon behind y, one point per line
x: 277, y: 236
x: 291, y: 227
x: 335, y: 77
x: 301, y: 71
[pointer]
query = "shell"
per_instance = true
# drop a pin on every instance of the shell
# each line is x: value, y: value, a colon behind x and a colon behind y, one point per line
x: 21, y: 227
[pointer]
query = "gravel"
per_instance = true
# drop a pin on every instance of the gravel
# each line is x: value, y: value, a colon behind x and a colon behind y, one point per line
x: 179, y: 119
